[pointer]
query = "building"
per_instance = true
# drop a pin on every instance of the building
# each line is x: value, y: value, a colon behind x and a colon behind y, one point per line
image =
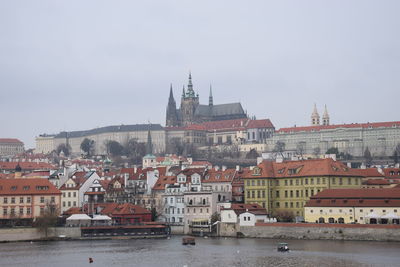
x: 364, y: 206
x: 45, y: 143
x: 283, y: 188
x: 100, y: 136
x: 381, y: 138
x: 23, y: 200
x: 191, y: 111
x: 10, y: 147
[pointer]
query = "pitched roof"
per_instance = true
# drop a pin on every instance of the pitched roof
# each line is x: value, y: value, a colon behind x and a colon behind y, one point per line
x: 25, y: 165
x: 10, y: 141
x: 301, y: 168
x: 369, y: 172
x: 32, y: 186
x: 220, y: 176
x: 392, y: 172
x: 393, y: 124
x: 163, y: 181
x: 220, y: 110
x: 266, y: 123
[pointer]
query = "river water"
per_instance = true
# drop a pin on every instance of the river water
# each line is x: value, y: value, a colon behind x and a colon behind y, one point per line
x: 207, y: 252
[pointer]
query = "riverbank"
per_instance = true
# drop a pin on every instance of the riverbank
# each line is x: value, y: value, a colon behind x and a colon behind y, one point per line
x: 353, y: 232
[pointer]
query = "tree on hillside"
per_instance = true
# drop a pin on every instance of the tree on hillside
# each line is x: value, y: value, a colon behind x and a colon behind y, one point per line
x: 66, y: 149
x: 367, y: 156
x: 333, y: 150
x: 114, y: 148
x: 279, y: 148
x: 317, y: 151
x: 252, y: 154
x: 300, y: 148
x: 87, y: 146
x: 396, y: 154
x: 135, y: 150
x: 175, y: 146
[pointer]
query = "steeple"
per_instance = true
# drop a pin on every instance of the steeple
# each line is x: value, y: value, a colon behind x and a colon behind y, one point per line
x: 183, y: 92
x: 210, y: 98
x: 315, y: 116
x: 149, y: 145
x: 171, y: 96
x: 325, y: 117
x: 190, y: 91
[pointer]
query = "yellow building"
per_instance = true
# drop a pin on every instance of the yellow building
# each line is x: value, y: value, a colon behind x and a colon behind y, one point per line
x: 285, y: 187
x: 26, y: 199
x: 364, y: 206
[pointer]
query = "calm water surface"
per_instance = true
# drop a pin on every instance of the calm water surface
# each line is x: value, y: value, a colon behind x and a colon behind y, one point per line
x: 206, y: 252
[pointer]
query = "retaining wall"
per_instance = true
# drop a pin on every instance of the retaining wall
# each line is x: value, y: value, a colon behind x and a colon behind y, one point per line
x: 25, y: 234
x: 316, y: 231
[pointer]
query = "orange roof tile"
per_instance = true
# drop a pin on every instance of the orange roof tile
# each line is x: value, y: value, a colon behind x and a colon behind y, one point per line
x: 33, y: 186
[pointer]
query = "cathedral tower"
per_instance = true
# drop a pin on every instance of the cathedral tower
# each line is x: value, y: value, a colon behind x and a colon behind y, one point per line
x: 189, y: 103
x: 172, y: 116
x: 315, y: 116
x: 325, y: 117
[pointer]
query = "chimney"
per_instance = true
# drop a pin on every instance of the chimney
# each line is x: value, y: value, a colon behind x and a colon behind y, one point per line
x: 134, y: 168
x: 216, y: 168
x: 259, y: 160
x: 237, y: 168
x: 126, y: 176
x: 223, y: 168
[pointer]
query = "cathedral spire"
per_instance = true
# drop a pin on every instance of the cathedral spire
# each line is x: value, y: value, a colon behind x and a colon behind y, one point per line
x: 171, y: 95
x: 210, y: 98
x: 190, y: 91
x: 183, y: 92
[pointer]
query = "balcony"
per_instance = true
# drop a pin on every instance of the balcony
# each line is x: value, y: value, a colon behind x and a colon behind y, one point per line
x: 198, y: 204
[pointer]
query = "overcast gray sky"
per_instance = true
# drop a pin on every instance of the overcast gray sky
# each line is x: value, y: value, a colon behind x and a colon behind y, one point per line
x: 74, y: 65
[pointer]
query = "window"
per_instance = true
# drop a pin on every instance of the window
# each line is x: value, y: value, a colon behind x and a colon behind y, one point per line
x: 286, y: 205
x: 21, y: 211
x: 4, y: 211
x: 13, y: 200
x: 286, y: 183
x: 69, y: 194
x: 349, y: 181
x: 74, y: 203
x: 277, y: 204
x: 74, y: 194
x: 277, y: 193
x: 5, y: 200
x: 69, y: 203
x: 63, y: 203
x: 297, y: 193
x: 63, y: 194
x: 21, y: 200
x: 318, y: 180
x: 312, y: 181
x: 286, y: 194
x: 263, y: 194
x: 53, y: 199
x: 28, y: 200
x: 291, y: 182
x: 41, y: 211
x: 291, y: 193
x: 306, y: 181
x: 41, y: 199
x: 28, y: 211
x: 12, y: 211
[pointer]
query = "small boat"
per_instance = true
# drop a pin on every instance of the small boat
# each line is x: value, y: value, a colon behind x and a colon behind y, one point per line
x: 188, y: 240
x: 283, y: 247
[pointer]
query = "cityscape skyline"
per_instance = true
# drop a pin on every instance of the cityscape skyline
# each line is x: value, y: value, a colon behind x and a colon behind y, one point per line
x: 73, y: 67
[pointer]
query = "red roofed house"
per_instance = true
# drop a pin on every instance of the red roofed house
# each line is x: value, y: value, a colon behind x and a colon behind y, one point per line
x: 26, y: 199
x: 10, y: 147
x: 365, y: 206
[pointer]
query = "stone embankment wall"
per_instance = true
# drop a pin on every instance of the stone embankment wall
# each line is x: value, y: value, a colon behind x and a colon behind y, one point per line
x: 26, y: 234
x: 315, y: 231
x: 177, y: 230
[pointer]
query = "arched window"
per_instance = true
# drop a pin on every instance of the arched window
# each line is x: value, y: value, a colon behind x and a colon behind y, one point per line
x: 331, y: 220
x: 321, y: 220
x: 340, y: 220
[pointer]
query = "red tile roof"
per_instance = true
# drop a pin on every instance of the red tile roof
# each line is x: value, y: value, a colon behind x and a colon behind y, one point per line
x: 241, y: 208
x: 392, y: 172
x: 260, y: 124
x: 302, y: 168
x: 367, y: 197
x: 10, y: 140
x: 163, y: 181
x: 369, y: 172
x: 26, y: 165
x: 33, y: 186
x: 213, y: 176
x: 337, y: 126
x: 376, y: 182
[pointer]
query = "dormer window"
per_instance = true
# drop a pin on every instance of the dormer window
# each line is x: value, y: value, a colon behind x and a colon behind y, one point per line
x: 217, y: 176
x: 207, y: 177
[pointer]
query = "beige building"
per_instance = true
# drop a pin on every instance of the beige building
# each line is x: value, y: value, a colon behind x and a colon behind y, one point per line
x: 10, y: 147
x: 45, y: 144
x: 26, y: 199
x: 101, y: 136
x: 364, y: 206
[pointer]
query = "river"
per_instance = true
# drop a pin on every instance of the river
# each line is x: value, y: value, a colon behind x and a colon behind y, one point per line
x: 206, y: 252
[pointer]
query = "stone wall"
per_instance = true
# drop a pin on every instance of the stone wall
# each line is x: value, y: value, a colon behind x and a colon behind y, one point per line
x: 25, y: 234
x: 177, y: 230
x: 316, y: 231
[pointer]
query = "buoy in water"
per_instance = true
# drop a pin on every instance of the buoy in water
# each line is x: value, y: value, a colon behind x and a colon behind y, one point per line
x: 90, y: 260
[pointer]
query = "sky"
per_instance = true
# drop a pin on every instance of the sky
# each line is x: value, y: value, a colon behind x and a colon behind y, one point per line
x: 77, y: 65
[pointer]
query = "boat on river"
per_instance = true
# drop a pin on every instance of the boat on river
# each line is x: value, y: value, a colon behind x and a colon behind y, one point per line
x: 283, y: 247
x: 188, y: 240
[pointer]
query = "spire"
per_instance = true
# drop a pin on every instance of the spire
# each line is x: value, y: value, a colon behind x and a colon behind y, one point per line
x: 190, y: 91
x: 325, y: 117
x: 315, y: 116
x: 149, y: 145
x: 210, y: 98
x: 171, y: 95
x: 183, y: 92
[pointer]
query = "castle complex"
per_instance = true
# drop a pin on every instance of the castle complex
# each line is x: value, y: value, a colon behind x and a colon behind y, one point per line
x: 191, y: 111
